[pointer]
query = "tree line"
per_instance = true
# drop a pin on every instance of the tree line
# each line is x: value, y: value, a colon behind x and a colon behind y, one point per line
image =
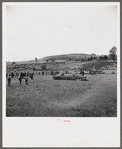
x: 112, y: 55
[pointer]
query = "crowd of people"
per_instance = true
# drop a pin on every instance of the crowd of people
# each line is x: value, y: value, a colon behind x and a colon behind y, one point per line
x: 21, y: 76
x: 26, y: 75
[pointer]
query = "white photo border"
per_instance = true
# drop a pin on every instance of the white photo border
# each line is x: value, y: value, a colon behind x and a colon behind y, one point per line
x: 46, y: 132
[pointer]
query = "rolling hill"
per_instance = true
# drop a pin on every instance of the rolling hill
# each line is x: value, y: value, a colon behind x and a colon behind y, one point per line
x: 66, y: 57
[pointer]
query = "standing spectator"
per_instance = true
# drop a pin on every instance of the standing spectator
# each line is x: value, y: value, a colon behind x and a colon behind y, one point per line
x: 20, y: 80
x: 82, y: 72
x: 21, y: 74
x: 26, y: 80
x: 9, y: 79
x: 31, y: 75
x: 12, y: 75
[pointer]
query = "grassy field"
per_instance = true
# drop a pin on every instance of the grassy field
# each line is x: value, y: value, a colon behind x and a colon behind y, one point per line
x: 45, y: 97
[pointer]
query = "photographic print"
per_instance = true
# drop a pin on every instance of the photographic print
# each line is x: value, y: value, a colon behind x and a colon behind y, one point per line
x: 61, y: 60
x: 61, y: 63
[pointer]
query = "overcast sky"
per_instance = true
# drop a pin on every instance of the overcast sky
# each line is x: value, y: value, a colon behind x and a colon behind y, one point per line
x: 58, y: 28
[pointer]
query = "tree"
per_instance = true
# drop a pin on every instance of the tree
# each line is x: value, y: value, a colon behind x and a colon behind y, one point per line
x: 102, y: 57
x: 89, y: 58
x: 13, y: 63
x: 113, y: 52
x: 105, y: 57
x: 47, y: 60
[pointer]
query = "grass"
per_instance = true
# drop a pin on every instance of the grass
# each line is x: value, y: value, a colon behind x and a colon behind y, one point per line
x: 45, y: 97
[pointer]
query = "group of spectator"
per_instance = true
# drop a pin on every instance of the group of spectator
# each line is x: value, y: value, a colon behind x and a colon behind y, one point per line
x: 26, y: 75
x: 22, y: 75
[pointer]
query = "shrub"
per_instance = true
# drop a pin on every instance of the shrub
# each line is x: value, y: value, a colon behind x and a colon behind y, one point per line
x: 113, y: 72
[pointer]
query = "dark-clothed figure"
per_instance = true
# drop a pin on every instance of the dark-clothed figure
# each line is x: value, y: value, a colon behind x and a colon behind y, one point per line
x: 9, y: 79
x: 20, y: 80
x: 26, y: 80
x: 82, y: 72
x: 24, y: 74
x: 31, y: 76
x: 21, y: 74
x: 12, y: 75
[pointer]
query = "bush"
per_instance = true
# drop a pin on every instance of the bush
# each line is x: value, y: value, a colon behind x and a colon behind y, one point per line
x: 113, y: 72
x: 43, y: 67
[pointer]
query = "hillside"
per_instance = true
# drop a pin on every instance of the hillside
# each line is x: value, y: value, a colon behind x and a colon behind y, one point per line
x: 101, y: 64
x: 66, y: 57
x: 74, y: 56
x: 88, y: 65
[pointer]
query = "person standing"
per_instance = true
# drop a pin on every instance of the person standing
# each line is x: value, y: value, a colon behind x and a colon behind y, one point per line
x: 26, y: 80
x: 21, y: 75
x: 31, y: 76
x: 82, y: 72
x: 9, y: 79
x: 12, y: 75
x: 20, y: 80
x: 51, y: 72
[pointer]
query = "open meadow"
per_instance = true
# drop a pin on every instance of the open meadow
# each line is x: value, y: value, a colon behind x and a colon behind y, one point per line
x: 45, y: 97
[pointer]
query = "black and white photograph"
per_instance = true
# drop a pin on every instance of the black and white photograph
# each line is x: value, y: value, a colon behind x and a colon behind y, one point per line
x: 61, y: 60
